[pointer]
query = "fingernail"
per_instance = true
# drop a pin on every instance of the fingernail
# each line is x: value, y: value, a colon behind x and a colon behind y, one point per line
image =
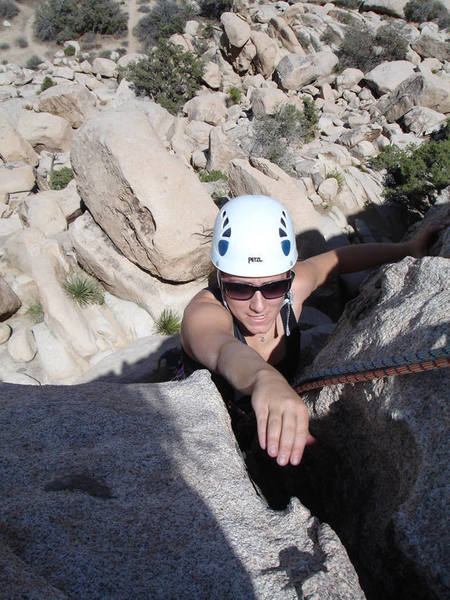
x: 282, y: 460
x: 272, y: 450
x: 295, y: 460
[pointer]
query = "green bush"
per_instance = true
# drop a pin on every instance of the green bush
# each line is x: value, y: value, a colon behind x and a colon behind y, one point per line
x: 144, y: 9
x: 168, y: 75
x: 338, y: 176
x: 214, y: 8
x: 348, y: 3
x: 364, y: 50
x: 214, y: 175
x: 35, y: 312
x: 414, y: 175
x: 165, y: 19
x: 421, y: 11
x: 4, y: 46
x: 47, y: 83
x: 21, y: 42
x: 83, y: 289
x: 234, y: 94
x: 8, y: 9
x: 208, y: 31
x: 61, y: 178
x: 63, y: 20
x: 275, y: 134
x: 69, y: 50
x: 168, y: 323
x: 34, y: 62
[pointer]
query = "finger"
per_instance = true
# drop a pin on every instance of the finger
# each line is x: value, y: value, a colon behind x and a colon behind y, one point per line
x: 273, y: 434
x: 287, y: 439
x: 261, y: 424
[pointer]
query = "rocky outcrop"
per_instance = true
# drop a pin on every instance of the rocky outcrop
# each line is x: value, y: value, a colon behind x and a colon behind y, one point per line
x: 381, y: 443
x: 183, y: 517
x: 131, y: 185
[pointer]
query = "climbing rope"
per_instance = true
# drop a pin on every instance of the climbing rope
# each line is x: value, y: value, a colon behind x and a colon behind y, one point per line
x: 364, y: 371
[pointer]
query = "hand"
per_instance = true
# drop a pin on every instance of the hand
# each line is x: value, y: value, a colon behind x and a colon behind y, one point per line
x: 421, y: 243
x: 282, y: 419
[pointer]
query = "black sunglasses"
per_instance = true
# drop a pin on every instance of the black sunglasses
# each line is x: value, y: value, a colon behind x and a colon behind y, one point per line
x: 245, y: 291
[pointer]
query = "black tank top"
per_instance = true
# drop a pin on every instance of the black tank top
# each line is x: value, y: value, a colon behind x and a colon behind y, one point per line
x: 288, y: 367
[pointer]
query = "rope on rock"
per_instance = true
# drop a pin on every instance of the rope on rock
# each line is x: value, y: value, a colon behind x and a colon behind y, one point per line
x: 364, y: 371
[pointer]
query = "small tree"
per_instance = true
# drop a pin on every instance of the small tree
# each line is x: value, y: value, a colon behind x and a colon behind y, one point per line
x: 168, y: 75
x: 364, y: 50
x: 34, y: 62
x: 421, y: 11
x: 290, y: 127
x: 415, y: 174
x: 214, y: 8
x: 8, y: 9
x: 165, y: 19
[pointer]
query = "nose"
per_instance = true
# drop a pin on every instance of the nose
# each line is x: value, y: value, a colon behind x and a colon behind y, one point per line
x: 257, y: 302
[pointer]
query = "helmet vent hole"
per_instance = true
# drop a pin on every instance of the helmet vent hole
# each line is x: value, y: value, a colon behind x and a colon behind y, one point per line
x: 283, y: 222
x: 225, y: 223
x: 223, y: 247
x: 286, y: 247
x: 282, y: 233
x: 227, y: 233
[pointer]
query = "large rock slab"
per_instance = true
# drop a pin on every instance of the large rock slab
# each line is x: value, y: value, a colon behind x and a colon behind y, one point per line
x: 73, y: 102
x: 384, y: 78
x: 9, y: 301
x: 425, y: 89
x: 98, y: 255
x: 138, y: 491
x: 45, y: 130
x: 294, y: 71
x: 390, y: 7
x: 150, y: 205
x: 384, y: 442
x: 13, y: 147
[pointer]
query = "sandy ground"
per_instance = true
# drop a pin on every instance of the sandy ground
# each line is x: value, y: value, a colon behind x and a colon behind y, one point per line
x: 21, y: 26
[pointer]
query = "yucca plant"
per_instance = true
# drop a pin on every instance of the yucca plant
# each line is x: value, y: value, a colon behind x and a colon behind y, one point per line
x: 168, y: 323
x: 35, y: 312
x: 83, y: 289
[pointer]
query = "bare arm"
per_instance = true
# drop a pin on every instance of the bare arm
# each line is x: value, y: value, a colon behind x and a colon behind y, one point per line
x: 315, y: 271
x: 281, y: 415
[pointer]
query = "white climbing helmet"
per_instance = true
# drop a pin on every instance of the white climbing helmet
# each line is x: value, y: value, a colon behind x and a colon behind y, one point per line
x: 253, y: 237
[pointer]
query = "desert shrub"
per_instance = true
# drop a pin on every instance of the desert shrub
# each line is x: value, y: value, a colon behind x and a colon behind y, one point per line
x: 168, y: 323
x: 208, y: 31
x: 47, y: 83
x: 214, y: 8
x: 69, y: 50
x: 214, y: 175
x: 329, y: 36
x: 83, y: 289
x: 34, y: 62
x: 338, y: 176
x: 347, y: 3
x: 275, y: 134
x: 35, y: 312
x: 343, y: 17
x: 4, y: 46
x: 415, y: 174
x: 68, y: 19
x: 165, y: 19
x: 365, y: 50
x: 21, y: 42
x: 234, y: 94
x: 60, y: 178
x: 421, y: 11
x: 168, y: 75
x: 8, y: 9
x: 144, y: 8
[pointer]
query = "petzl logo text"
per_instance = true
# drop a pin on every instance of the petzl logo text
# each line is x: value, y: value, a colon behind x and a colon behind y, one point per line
x: 252, y: 259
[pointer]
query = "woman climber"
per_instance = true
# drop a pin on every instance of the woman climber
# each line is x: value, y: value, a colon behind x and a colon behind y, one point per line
x: 245, y: 330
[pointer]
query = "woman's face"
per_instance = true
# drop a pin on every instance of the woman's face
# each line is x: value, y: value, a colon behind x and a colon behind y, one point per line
x: 258, y: 314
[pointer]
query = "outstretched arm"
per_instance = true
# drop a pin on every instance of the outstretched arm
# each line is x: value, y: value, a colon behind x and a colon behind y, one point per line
x: 281, y: 415
x: 358, y: 257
